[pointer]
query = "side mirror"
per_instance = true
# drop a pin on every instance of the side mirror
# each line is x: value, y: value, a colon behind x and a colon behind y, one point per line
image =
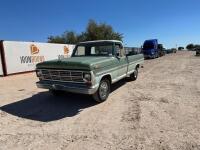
x: 117, y: 55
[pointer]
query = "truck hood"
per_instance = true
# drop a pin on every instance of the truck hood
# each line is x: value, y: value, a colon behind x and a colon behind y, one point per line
x: 76, y: 63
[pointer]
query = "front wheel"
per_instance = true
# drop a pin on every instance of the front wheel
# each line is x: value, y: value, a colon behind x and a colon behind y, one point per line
x: 103, y: 91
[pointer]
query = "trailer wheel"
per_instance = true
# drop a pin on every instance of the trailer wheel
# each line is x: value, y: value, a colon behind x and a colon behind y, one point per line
x: 103, y: 91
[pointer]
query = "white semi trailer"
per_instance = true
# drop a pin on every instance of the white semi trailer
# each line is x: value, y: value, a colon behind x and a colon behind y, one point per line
x: 18, y: 57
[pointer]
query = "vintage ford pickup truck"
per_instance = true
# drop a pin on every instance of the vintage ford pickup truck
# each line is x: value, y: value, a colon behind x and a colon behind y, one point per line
x: 93, y: 67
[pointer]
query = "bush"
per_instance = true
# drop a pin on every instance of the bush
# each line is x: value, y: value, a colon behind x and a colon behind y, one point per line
x: 94, y: 31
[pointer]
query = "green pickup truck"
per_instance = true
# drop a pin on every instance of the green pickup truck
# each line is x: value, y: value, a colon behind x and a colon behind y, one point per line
x: 93, y: 67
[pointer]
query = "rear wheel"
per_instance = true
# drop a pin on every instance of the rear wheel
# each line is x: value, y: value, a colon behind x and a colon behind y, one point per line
x: 103, y: 91
x: 134, y: 75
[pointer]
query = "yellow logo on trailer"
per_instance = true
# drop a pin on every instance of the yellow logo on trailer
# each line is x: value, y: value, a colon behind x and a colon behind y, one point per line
x: 32, y: 59
x: 34, y: 49
x: 66, y: 50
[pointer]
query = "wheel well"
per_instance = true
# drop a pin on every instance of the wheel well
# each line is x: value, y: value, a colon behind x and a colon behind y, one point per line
x: 137, y: 66
x: 107, y: 77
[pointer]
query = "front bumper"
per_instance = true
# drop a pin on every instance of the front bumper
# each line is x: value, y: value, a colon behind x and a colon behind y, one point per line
x: 148, y: 56
x: 68, y: 87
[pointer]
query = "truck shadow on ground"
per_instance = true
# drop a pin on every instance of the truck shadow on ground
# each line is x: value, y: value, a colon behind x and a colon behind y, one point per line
x: 45, y: 107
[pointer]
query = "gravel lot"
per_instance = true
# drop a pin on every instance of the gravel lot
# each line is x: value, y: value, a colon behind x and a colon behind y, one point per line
x: 159, y: 111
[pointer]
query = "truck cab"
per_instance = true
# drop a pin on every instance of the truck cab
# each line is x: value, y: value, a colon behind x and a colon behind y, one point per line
x: 150, y: 48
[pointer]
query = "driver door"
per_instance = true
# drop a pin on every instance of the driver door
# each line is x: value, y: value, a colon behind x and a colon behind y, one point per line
x: 122, y: 60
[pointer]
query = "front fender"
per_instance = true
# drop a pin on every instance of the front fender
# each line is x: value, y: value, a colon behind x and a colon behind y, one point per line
x: 99, y: 77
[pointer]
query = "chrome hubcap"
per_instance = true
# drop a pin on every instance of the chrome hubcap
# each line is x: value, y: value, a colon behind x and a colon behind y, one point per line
x: 103, y: 90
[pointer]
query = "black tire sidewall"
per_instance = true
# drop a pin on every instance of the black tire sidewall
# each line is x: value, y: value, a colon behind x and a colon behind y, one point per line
x: 133, y: 77
x: 108, y: 91
x: 96, y: 95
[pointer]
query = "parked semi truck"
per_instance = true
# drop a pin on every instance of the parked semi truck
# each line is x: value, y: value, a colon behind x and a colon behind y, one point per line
x: 151, y: 49
x: 92, y: 69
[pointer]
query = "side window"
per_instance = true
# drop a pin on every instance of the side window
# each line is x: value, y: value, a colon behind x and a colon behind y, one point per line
x: 80, y: 51
x: 119, y: 50
x: 122, y: 52
x: 93, y: 52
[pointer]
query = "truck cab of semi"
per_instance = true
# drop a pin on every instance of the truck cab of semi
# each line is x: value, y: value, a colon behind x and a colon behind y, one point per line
x: 150, y: 48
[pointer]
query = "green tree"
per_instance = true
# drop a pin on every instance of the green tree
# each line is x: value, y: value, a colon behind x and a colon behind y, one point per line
x: 101, y: 31
x: 180, y: 48
x: 68, y: 37
x: 94, y: 31
x: 193, y: 47
x: 56, y: 39
x: 190, y: 46
x: 197, y: 46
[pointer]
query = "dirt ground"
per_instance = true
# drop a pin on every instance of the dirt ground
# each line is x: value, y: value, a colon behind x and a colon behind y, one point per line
x: 159, y: 111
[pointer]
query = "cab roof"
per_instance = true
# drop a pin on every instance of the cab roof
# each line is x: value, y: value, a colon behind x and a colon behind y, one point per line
x: 101, y: 41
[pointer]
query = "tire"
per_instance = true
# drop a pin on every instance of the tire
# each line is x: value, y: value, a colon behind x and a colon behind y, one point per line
x: 134, y: 75
x: 103, y: 91
x: 157, y: 55
x: 55, y: 92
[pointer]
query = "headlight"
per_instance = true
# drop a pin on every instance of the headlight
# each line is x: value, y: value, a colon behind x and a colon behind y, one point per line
x: 38, y: 73
x: 87, y: 76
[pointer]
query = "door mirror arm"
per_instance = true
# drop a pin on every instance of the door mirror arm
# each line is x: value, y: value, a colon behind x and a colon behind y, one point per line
x: 118, y: 57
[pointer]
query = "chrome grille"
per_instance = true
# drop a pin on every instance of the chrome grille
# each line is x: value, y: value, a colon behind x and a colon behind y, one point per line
x: 61, y: 75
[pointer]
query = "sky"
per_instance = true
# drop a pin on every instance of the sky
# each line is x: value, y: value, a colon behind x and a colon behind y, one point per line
x: 172, y: 22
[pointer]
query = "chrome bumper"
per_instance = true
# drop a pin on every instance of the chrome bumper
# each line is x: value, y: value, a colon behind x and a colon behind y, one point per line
x: 68, y: 87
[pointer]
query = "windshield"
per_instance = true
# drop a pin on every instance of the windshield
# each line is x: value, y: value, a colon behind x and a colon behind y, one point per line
x: 93, y: 50
x: 148, y: 45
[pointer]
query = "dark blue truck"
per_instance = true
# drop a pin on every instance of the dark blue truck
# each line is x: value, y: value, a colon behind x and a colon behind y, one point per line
x: 151, y: 49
